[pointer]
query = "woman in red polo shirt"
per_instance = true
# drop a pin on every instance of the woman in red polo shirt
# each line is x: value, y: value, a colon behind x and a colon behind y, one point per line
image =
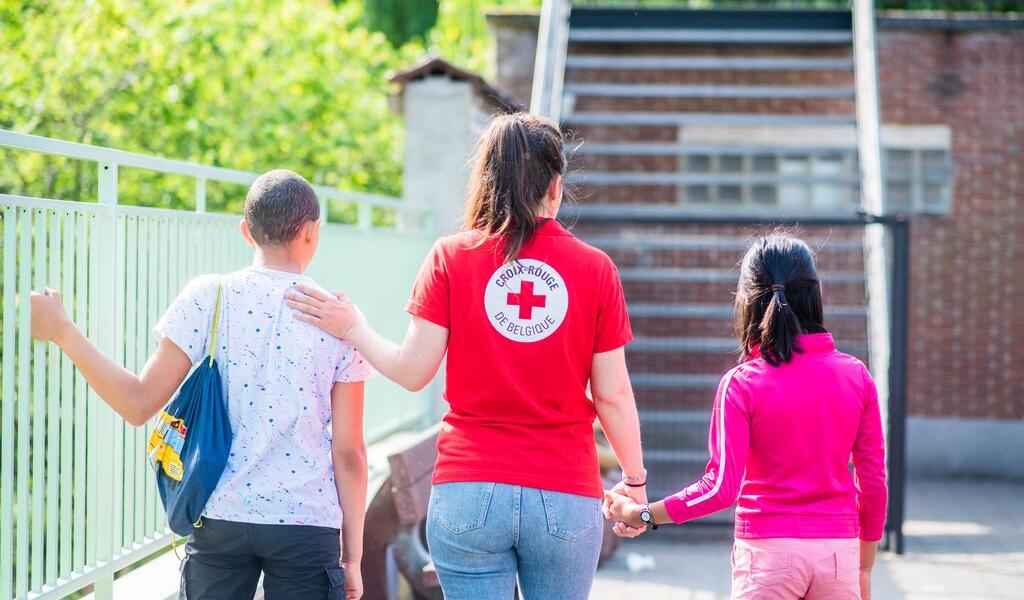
x: 529, y: 316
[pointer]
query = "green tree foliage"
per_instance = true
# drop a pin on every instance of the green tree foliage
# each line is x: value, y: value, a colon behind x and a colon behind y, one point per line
x: 249, y: 84
x: 245, y: 84
x: 401, y: 21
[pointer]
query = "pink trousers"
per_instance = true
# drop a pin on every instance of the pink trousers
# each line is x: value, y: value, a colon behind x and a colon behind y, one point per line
x: 795, y: 569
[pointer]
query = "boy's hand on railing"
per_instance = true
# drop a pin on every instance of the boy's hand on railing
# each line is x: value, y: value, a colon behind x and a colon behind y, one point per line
x: 49, y: 321
x: 353, y: 580
x: 336, y: 314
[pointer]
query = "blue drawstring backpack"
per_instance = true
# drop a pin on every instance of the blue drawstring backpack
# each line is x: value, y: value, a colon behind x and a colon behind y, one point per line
x: 189, y: 445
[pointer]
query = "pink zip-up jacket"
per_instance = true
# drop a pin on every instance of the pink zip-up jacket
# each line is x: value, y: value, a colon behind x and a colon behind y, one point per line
x: 782, y: 439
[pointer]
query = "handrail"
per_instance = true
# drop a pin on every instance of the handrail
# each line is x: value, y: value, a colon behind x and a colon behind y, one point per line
x: 76, y: 480
x: 876, y: 263
x: 100, y: 154
x: 867, y: 106
x: 549, y: 69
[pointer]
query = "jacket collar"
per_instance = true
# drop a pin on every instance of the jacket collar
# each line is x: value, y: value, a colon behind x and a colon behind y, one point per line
x: 809, y: 343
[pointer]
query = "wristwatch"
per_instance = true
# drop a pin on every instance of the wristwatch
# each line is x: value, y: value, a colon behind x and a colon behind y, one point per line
x: 645, y: 516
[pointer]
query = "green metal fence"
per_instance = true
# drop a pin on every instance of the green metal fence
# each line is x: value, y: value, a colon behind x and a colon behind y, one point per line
x: 77, y: 499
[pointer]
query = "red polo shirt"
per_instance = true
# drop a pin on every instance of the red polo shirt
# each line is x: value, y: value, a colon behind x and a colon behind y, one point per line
x: 522, y: 338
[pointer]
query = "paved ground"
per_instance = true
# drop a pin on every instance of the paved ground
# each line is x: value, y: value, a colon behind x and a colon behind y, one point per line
x: 965, y: 541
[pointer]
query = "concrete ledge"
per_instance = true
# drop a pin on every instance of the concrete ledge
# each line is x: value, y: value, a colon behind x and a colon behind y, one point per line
x: 956, y: 447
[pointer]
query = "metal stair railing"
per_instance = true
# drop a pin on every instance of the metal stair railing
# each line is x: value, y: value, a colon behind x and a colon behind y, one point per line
x: 549, y: 70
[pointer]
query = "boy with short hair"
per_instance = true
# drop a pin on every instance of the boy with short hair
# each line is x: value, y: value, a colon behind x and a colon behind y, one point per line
x: 295, y: 402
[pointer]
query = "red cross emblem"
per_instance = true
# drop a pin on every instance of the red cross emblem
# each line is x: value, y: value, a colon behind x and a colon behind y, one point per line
x: 525, y: 300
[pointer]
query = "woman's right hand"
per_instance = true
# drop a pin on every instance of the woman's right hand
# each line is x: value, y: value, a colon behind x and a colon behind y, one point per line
x: 865, y: 584
x: 336, y: 314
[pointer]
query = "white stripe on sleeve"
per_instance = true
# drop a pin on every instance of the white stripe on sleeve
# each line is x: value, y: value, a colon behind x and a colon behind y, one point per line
x: 721, y: 445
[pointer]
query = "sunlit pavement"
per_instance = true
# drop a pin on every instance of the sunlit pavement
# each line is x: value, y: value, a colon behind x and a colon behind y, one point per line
x: 965, y: 541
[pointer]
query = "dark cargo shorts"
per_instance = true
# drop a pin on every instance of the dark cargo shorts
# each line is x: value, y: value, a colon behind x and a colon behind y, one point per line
x: 224, y: 559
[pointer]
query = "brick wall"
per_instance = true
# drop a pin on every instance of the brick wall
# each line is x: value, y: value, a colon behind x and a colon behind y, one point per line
x: 967, y: 287
x: 967, y: 270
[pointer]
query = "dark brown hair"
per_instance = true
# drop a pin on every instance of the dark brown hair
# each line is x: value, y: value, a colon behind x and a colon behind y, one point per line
x: 518, y: 157
x: 778, y: 297
x: 278, y: 205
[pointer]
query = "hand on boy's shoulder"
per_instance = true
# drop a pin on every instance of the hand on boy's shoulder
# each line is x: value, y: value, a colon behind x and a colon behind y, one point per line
x: 333, y: 313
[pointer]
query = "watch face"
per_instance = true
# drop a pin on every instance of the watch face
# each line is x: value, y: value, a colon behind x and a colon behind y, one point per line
x: 645, y: 516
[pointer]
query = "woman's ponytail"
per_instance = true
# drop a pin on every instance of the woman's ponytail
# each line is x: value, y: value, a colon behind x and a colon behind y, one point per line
x: 778, y: 298
x: 518, y: 157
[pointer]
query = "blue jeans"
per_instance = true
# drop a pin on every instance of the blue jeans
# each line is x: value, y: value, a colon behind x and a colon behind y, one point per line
x: 482, y: 535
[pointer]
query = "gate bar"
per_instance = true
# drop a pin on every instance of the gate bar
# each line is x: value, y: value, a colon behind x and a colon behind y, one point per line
x: 899, y: 300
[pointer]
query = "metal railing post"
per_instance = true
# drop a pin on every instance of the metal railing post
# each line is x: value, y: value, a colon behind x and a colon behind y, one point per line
x: 897, y: 417
x: 104, y: 278
x: 201, y: 195
x: 549, y: 68
x: 886, y: 319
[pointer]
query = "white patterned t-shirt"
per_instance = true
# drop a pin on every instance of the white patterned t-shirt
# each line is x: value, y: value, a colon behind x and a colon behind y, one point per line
x: 277, y: 373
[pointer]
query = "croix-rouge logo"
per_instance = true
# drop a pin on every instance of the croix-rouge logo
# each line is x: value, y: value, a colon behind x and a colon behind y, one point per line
x: 526, y: 300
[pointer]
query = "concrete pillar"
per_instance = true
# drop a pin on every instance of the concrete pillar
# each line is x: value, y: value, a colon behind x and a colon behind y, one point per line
x: 445, y: 109
x: 515, y: 50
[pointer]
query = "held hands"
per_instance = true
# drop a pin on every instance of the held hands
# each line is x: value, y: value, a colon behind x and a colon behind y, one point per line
x: 625, y: 510
x: 49, y: 321
x: 336, y: 314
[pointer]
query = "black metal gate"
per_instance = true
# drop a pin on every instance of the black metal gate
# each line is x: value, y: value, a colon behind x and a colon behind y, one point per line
x: 898, y: 255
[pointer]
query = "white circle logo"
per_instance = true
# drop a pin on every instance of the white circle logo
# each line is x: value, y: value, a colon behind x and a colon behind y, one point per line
x: 526, y: 301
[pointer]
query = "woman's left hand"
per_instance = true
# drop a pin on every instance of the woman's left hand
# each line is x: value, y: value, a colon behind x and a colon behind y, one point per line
x: 625, y: 512
x: 336, y: 315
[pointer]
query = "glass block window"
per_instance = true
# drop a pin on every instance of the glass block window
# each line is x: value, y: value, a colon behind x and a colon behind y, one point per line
x: 916, y: 179
x: 771, y: 179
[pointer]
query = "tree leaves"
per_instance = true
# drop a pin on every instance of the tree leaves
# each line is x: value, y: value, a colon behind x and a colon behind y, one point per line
x: 245, y: 84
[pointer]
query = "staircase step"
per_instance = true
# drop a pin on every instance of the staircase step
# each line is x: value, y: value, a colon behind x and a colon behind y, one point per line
x: 723, y: 311
x: 682, y: 431
x: 674, y: 417
x: 829, y: 259
x: 730, y: 18
x: 626, y: 35
x: 674, y: 455
x: 708, y: 91
x: 685, y: 149
x: 670, y: 212
x: 681, y: 344
x: 846, y: 330
x: 675, y: 178
x: 708, y: 63
x: 701, y: 286
x: 674, y: 118
x: 674, y: 380
x: 700, y: 275
x: 707, y: 242
x: 691, y: 355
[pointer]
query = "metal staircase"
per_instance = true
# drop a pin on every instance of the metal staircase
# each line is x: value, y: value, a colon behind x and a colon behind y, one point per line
x: 709, y: 114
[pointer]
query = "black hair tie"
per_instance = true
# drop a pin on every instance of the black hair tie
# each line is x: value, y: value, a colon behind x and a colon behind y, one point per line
x: 779, y: 287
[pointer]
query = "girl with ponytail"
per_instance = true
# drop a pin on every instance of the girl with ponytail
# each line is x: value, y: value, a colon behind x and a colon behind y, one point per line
x: 785, y: 425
